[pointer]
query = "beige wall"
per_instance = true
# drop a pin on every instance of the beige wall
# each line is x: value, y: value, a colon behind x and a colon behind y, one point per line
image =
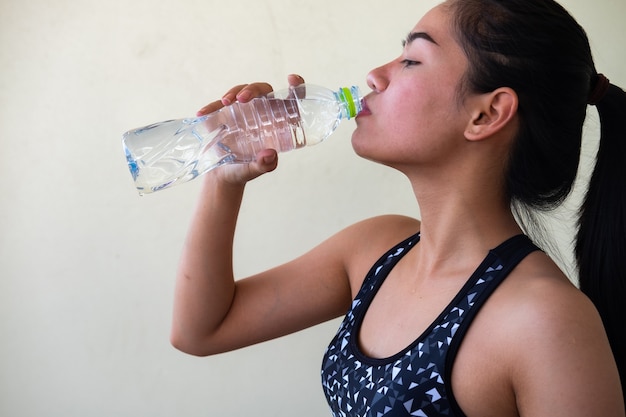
x: 87, y: 266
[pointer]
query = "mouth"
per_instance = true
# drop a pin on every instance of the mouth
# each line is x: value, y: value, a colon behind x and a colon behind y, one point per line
x: 365, y: 110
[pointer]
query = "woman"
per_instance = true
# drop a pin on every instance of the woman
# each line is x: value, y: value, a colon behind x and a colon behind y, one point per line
x: 461, y: 315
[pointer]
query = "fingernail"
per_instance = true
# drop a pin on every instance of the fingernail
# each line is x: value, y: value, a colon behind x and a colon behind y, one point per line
x: 226, y: 101
x: 269, y: 159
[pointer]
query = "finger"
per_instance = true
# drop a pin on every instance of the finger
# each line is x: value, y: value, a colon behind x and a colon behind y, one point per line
x: 265, y: 161
x: 251, y: 91
x: 226, y: 99
x: 241, y: 92
x: 294, y: 80
x: 296, y: 86
x: 210, y: 108
x: 231, y: 95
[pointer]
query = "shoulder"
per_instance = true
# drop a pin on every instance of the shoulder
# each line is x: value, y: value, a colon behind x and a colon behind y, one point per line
x: 539, y: 296
x: 377, y: 233
x: 358, y: 246
x: 386, y: 228
x: 361, y: 244
x: 558, y: 354
x: 546, y: 307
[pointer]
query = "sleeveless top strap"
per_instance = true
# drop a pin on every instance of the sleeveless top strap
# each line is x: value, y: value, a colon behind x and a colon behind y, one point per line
x: 508, y: 254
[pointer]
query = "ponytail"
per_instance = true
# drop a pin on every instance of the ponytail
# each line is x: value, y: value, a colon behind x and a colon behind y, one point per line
x: 601, y: 240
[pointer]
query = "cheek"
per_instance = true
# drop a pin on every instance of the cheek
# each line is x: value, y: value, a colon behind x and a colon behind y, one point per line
x: 415, y: 121
x: 388, y: 142
x: 391, y: 128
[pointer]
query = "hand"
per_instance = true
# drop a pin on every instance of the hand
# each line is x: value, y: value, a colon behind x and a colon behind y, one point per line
x: 267, y: 159
x: 246, y: 92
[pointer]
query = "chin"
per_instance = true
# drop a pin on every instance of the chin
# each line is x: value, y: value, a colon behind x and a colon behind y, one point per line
x: 366, y: 153
x: 358, y: 147
x: 365, y: 145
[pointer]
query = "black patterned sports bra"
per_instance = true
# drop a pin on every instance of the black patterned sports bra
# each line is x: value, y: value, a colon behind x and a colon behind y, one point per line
x: 415, y: 381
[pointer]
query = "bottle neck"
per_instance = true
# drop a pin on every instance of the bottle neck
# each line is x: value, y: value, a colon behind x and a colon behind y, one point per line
x: 350, y: 100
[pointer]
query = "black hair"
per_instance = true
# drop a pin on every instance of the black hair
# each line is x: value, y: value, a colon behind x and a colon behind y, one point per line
x: 537, y: 48
x: 601, y: 241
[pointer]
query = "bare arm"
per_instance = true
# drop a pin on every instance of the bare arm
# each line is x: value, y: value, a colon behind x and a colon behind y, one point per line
x: 212, y: 311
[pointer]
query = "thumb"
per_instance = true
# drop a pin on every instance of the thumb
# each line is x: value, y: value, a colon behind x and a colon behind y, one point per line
x: 266, y: 161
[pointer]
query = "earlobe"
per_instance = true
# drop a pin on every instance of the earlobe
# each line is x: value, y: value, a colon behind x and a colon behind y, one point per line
x: 491, y: 113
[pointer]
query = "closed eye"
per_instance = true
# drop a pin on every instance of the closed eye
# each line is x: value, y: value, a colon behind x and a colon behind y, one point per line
x: 409, y: 63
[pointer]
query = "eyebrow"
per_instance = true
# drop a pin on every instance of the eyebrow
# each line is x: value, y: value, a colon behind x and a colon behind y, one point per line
x: 418, y: 35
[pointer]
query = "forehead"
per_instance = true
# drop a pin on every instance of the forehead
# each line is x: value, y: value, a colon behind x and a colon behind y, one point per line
x: 436, y: 24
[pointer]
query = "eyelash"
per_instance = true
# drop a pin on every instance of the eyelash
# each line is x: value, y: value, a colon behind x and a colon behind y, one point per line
x: 408, y: 63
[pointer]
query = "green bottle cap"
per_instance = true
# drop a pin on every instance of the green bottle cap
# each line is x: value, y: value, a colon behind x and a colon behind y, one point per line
x: 346, y: 97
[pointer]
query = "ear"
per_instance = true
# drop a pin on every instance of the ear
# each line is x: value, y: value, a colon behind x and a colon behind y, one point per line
x: 491, y: 113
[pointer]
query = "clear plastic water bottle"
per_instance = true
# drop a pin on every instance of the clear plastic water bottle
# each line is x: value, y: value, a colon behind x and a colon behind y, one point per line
x: 164, y: 154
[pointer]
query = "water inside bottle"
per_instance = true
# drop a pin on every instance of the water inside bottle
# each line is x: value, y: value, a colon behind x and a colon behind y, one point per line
x: 167, y: 153
x: 163, y: 154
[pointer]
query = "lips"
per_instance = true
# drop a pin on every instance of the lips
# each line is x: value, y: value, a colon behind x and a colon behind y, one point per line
x: 365, y: 110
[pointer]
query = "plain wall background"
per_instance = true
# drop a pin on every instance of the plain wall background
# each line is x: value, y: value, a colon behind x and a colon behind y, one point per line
x: 87, y: 266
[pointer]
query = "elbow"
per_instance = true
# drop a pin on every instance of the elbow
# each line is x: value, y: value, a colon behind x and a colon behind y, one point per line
x: 190, y: 347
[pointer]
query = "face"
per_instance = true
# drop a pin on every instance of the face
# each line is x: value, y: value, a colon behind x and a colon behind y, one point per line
x: 413, y: 114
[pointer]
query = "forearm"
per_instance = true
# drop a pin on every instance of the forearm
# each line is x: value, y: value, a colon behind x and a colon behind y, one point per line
x: 205, y: 284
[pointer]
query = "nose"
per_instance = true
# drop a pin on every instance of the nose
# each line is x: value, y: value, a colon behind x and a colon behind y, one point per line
x: 377, y: 79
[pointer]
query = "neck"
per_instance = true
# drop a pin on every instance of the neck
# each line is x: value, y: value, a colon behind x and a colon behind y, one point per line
x: 461, y: 220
